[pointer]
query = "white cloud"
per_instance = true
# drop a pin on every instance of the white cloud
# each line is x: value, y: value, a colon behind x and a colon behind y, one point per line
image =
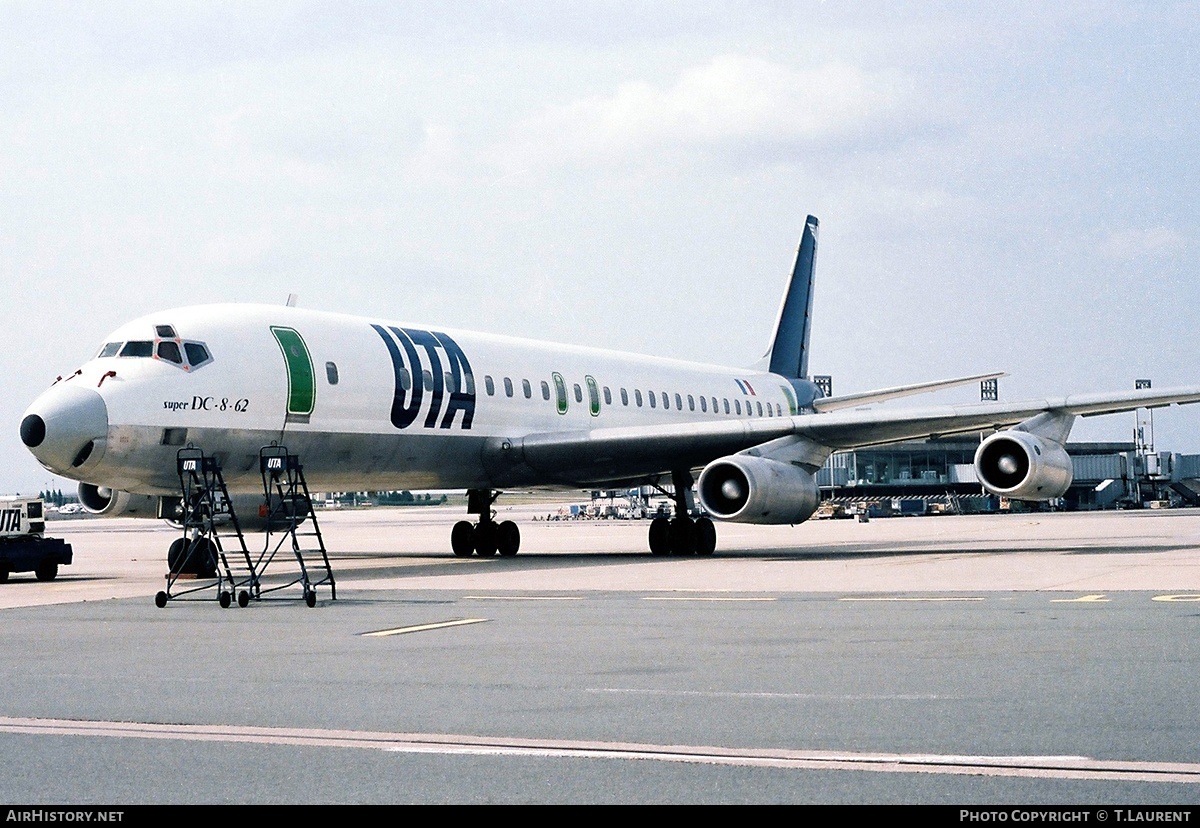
x: 1140, y: 242
x: 731, y: 101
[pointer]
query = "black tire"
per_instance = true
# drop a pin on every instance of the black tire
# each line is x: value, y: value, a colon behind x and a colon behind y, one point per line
x: 462, y: 539
x: 310, y: 598
x: 160, y: 600
x: 3, y: 574
x: 225, y: 599
x: 176, y: 554
x: 243, y: 599
x: 682, y: 536
x: 660, y: 541
x: 187, y: 558
x: 508, y: 539
x: 486, y: 540
x: 706, y: 537
x: 46, y: 571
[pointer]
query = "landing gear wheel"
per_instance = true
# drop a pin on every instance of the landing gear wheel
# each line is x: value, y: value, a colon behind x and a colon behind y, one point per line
x: 46, y: 571
x: 3, y: 574
x: 160, y: 600
x: 706, y: 537
x: 462, y: 540
x: 682, y: 534
x: 243, y: 599
x: 187, y: 558
x: 508, y: 539
x: 486, y: 539
x: 225, y: 599
x: 660, y: 542
x: 310, y: 598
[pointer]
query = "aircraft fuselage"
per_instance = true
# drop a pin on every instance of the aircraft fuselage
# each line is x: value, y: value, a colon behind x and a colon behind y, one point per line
x: 367, y: 404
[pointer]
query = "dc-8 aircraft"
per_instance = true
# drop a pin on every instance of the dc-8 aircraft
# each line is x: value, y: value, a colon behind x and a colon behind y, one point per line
x: 368, y: 404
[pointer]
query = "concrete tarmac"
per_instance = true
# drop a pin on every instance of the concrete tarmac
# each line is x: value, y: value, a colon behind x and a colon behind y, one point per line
x: 1047, y: 658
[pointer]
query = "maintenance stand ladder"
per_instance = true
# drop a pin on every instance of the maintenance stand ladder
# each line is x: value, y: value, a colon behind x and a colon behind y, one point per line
x: 199, y: 558
x: 289, y: 507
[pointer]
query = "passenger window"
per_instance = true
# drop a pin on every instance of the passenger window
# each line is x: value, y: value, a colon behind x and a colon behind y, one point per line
x: 427, y: 378
x: 703, y: 404
x: 653, y: 399
x: 545, y: 390
x: 737, y: 406
x: 714, y: 406
x: 508, y: 387
x: 527, y: 388
x: 489, y: 385
x: 679, y: 402
x: 759, y: 407
x: 405, y: 379
x: 331, y: 373
x: 607, y: 396
x: 624, y: 397
x: 666, y: 400
x: 637, y: 396
x: 448, y: 380
x: 726, y: 405
x: 578, y: 393
x: 170, y: 352
x: 140, y: 348
x: 470, y: 383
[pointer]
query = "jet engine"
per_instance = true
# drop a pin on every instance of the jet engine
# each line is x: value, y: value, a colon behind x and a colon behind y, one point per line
x: 748, y: 489
x: 101, y: 500
x: 1023, y: 466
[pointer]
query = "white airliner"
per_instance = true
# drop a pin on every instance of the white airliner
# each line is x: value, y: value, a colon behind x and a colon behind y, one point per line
x: 368, y: 404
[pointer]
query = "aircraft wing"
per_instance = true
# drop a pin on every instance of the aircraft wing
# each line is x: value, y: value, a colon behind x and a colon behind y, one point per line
x: 626, y: 454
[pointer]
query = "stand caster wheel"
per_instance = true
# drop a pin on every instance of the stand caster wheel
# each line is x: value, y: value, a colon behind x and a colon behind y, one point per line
x: 243, y: 599
x: 160, y: 600
x: 225, y: 599
x: 310, y: 598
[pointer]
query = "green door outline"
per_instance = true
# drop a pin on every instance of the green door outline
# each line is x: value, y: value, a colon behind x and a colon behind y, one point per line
x: 302, y: 380
x: 560, y: 391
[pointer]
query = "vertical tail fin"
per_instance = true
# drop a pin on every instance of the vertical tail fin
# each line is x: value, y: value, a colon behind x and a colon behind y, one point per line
x: 788, y: 354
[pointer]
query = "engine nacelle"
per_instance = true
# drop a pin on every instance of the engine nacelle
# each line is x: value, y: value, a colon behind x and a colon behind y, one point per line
x: 1023, y: 466
x: 748, y: 489
x: 101, y: 500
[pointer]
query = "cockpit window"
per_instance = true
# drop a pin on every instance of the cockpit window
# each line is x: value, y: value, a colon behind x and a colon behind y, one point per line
x: 197, y: 354
x: 169, y: 350
x: 138, y: 348
x: 109, y: 349
x: 165, y: 332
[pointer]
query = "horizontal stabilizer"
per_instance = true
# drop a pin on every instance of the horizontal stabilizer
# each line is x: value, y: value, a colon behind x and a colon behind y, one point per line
x: 852, y: 400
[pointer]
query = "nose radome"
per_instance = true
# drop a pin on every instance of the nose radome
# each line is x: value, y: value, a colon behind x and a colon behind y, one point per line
x: 65, y: 427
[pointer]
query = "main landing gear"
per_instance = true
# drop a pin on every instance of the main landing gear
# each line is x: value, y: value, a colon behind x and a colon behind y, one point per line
x: 681, y: 535
x: 487, y: 537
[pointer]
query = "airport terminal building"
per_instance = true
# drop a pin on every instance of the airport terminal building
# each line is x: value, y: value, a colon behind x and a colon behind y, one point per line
x: 1106, y: 475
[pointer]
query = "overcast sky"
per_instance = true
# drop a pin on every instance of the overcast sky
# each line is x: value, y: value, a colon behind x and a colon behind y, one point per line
x: 1001, y: 186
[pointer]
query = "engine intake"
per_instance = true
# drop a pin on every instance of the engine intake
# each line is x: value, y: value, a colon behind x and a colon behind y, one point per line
x: 1023, y: 466
x: 101, y: 500
x: 747, y: 489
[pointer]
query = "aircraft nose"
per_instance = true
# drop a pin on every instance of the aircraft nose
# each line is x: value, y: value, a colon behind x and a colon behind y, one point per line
x: 66, y: 427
